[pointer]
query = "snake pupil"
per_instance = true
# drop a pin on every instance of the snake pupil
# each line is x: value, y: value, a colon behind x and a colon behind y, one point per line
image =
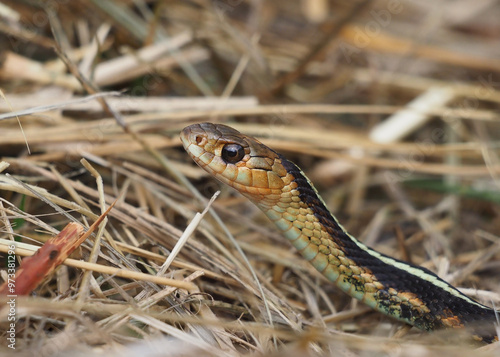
x: 232, y: 153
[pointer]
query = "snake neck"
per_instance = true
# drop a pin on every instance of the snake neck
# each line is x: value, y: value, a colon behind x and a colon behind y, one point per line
x: 401, y: 290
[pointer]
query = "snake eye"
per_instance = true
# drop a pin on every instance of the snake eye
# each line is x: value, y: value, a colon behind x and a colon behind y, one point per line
x: 233, y: 153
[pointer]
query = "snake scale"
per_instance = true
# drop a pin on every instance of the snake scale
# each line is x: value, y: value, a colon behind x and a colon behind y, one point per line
x: 398, y: 289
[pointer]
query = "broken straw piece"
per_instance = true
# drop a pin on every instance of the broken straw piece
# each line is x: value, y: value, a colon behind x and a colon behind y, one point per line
x: 418, y: 111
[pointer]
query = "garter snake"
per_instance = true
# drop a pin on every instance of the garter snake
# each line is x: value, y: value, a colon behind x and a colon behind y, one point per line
x: 401, y: 290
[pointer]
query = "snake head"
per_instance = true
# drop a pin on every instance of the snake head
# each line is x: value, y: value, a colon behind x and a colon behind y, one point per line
x: 235, y: 159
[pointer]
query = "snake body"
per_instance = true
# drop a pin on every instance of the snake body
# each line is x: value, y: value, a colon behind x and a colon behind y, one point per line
x: 401, y: 290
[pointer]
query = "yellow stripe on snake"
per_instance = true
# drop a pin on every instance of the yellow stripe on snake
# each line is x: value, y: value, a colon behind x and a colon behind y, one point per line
x: 401, y: 290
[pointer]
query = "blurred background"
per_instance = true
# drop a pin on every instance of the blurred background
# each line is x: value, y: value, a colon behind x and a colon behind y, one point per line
x: 390, y: 107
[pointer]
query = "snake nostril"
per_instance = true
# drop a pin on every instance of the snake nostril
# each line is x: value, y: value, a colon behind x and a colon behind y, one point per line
x: 198, y: 139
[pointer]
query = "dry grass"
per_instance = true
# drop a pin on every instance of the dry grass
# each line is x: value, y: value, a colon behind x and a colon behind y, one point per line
x: 391, y: 108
